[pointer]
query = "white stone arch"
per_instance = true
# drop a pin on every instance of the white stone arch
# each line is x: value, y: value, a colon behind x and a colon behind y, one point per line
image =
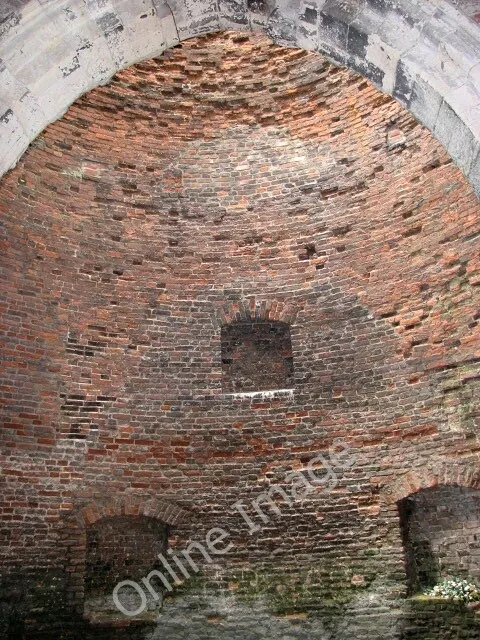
x: 425, y: 54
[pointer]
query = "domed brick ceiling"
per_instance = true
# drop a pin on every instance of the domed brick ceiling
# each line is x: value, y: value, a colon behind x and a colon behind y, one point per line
x: 235, y: 163
x: 234, y: 180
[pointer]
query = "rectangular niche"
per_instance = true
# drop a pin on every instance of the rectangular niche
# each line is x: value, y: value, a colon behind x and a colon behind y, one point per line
x: 256, y: 356
x: 121, y: 548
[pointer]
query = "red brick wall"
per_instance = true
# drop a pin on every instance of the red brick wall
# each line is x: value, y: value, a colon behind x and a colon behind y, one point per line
x: 231, y: 180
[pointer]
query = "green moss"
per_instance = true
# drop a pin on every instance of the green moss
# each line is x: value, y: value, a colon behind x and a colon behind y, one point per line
x: 293, y: 593
x: 326, y: 586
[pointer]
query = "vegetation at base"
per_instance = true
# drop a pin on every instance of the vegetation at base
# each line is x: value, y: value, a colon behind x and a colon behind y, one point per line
x: 456, y: 589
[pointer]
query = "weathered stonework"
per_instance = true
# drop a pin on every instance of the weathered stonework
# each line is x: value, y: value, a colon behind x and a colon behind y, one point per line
x: 426, y: 55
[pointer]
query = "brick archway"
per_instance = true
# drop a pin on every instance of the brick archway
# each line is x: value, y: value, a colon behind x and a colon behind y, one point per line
x: 427, y: 56
x: 465, y: 474
x: 74, y: 526
x: 258, y: 309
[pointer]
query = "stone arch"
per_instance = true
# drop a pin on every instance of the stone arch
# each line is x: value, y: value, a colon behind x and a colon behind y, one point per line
x: 427, y: 56
x: 73, y: 535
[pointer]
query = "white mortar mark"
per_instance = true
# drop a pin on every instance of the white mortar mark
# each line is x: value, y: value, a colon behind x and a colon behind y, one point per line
x: 262, y: 395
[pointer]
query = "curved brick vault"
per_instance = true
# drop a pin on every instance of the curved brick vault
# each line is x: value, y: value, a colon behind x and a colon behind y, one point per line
x: 233, y: 179
x: 424, y: 54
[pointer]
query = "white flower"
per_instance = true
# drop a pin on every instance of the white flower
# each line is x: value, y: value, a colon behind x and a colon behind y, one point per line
x: 456, y: 589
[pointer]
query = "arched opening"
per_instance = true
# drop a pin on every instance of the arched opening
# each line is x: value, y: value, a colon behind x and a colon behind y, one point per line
x: 140, y: 216
x: 118, y: 549
x: 440, y: 530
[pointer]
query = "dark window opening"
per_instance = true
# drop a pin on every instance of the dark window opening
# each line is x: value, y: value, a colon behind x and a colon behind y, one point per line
x: 256, y: 356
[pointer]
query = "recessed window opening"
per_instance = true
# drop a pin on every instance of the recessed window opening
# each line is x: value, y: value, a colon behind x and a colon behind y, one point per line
x: 256, y: 356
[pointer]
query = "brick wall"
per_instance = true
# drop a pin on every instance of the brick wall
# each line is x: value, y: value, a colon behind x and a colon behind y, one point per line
x: 234, y: 181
